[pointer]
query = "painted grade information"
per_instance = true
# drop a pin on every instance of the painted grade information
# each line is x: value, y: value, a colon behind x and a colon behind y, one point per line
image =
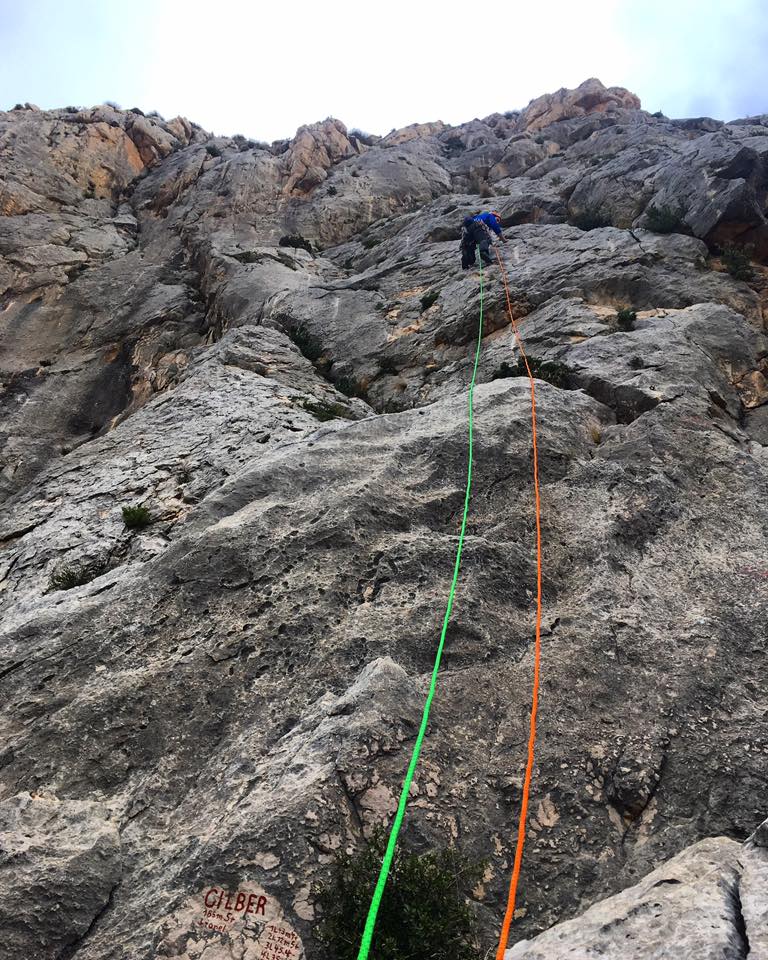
x: 220, y: 923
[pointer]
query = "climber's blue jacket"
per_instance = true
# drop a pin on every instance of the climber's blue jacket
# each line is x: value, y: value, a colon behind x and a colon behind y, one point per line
x: 490, y: 221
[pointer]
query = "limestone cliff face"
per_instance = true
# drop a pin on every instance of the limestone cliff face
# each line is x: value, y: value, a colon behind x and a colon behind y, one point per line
x: 231, y: 693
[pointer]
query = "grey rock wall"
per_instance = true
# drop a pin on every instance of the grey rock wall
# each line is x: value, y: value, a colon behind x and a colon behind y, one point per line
x: 235, y: 689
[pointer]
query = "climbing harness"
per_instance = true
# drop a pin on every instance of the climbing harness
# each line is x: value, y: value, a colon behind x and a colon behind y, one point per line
x: 365, y: 944
x: 510, y: 911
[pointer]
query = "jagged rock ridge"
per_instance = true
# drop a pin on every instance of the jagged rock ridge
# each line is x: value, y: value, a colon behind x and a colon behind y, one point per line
x: 233, y: 694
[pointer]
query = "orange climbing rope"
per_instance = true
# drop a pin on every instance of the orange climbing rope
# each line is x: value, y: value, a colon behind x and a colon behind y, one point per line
x: 504, y: 936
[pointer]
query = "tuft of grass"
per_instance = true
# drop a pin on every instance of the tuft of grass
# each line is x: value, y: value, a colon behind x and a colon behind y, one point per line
x: 552, y: 371
x: 590, y: 219
x: 428, y: 299
x: 332, y: 191
x: 737, y: 262
x: 324, y: 411
x: 626, y: 319
x: 136, y: 518
x: 595, y: 434
x: 370, y: 242
x: 663, y: 219
x: 424, y: 904
x: 73, y: 575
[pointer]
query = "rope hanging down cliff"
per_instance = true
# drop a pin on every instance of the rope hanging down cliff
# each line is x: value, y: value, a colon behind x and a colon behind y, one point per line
x: 510, y: 911
x: 370, y: 923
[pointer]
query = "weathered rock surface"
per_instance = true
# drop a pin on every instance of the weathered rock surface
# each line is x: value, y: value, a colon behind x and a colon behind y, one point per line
x: 235, y: 688
x: 589, y: 97
x: 708, y: 902
x: 60, y: 864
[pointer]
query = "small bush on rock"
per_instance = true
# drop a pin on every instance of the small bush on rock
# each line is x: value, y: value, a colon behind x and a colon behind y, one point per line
x: 75, y: 575
x: 296, y: 241
x: 323, y: 411
x: 428, y: 299
x: 352, y: 387
x: 308, y: 344
x: 737, y: 262
x: 625, y: 319
x: 662, y: 219
x: 423, y: 910
x: 136, y: 518
x: 387, y: 365
x: 552, y: 371
x: 212, y: 150
x: 590, y: 219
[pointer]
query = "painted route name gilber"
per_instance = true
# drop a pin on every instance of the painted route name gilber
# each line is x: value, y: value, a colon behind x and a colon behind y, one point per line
x: 223, y: 906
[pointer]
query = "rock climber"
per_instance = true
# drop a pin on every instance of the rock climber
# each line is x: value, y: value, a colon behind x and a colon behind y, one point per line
x: 476, y: 232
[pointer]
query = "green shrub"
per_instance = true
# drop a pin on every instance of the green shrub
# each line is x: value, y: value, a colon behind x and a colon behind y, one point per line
x: 370, y: 242
x: 625, y: 319
x: 351, y: 387
x: 590, y: 219
x: 136, y: 518
x: 428, y: 299
x: 736, y: 261
x: 423, y: 913
x: 212, y: 150
x: 323, y: 410
x: 659, y: 115
x: 247, y: 256
x: 556, y: 180
x: 332, y: 191
x: 75, y: 575
x: 296, y: 241
x: 663, y: 219
x: 552, y: 371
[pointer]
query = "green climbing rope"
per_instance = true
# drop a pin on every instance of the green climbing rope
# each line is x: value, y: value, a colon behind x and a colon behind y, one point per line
x: 370, y: 923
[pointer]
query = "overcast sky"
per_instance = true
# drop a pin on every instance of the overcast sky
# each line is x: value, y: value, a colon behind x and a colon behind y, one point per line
x: 263, y: 69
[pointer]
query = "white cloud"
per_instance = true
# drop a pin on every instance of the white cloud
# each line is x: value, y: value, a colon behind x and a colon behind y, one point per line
x: 262, y: 69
